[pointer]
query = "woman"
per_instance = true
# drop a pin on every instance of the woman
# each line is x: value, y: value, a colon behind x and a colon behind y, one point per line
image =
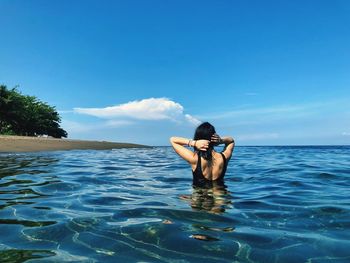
x: 208, y: 166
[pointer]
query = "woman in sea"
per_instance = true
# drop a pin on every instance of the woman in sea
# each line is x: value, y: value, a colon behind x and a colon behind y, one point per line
x: 208, y: 165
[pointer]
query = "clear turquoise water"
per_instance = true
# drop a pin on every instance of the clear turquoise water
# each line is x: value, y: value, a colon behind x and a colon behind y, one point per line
x: 281, y: 204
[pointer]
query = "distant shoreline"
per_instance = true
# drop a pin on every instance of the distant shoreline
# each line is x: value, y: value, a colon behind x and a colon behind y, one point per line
x: 35, y: 144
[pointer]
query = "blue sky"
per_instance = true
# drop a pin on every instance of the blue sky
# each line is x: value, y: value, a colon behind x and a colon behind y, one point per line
x: 264, y: 72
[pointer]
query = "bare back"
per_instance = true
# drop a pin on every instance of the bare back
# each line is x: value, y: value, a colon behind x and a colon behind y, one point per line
x: 210, y: 171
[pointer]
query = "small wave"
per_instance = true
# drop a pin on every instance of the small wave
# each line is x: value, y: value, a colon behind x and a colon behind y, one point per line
x: 280, y: 204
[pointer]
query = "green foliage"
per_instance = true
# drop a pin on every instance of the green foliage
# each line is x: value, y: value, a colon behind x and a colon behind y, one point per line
x: 26, y: 115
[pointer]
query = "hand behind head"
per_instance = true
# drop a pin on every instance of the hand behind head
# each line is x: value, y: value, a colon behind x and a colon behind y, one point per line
x: 202, y: 145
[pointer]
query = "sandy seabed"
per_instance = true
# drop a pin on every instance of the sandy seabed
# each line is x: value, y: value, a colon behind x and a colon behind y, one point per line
x: 34, y: 144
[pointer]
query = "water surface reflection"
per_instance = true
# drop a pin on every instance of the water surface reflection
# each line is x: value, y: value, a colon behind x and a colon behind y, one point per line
x: 278, y: 204
x: 213, y: 199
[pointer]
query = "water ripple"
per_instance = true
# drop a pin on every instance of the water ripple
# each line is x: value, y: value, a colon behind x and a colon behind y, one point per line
x: 280, y: 204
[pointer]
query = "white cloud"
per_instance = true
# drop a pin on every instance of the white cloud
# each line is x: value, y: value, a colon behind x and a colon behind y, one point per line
x: 279, y: 112
x: 146, y: 109
x: 257, y: 136
x: 192, y: 119
x: 118, y: 123
x: 283, y: 110
x: 77, y: 127
x: 271, y: 113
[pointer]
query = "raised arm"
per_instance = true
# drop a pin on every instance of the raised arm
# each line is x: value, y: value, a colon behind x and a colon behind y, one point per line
x: 229, y: 144
x: 179, y: 144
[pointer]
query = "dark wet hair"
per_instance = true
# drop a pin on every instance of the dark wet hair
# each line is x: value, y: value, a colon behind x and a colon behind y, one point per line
x: 204, y: 132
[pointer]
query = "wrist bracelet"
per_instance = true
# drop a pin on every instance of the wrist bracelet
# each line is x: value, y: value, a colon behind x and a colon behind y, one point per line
x: 189, y: 143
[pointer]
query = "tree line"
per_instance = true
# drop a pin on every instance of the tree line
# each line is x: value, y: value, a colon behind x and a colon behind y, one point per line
x: 27, y: 115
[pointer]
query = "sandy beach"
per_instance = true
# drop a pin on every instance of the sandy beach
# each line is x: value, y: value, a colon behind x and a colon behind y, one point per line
x: 34, y: 144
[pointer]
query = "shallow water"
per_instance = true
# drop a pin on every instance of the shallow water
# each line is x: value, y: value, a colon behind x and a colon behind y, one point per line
x: 280, y: 204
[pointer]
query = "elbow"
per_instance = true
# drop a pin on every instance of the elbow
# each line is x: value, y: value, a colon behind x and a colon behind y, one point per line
x: 231, y: 140
x: 172, y: 141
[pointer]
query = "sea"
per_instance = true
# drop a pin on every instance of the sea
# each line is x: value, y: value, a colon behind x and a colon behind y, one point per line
x: 278, y: 204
